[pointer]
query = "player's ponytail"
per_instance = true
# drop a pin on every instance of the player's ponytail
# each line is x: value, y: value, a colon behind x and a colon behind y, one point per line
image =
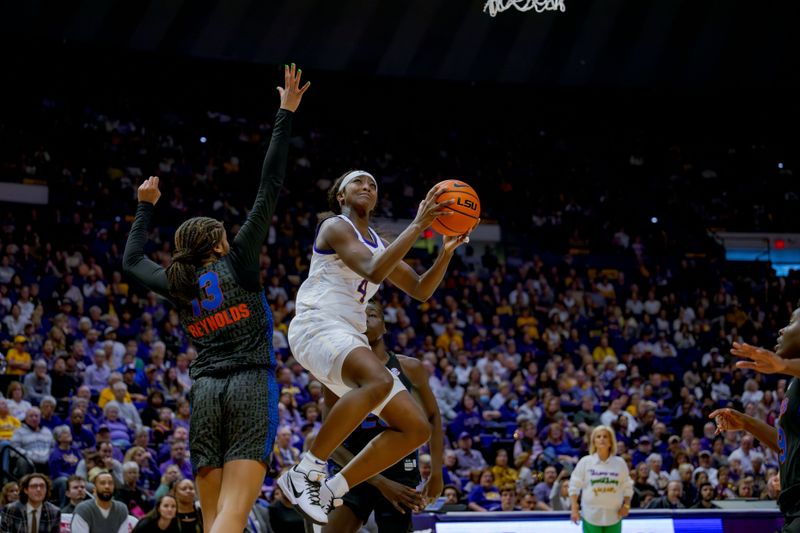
x: 194, y: 243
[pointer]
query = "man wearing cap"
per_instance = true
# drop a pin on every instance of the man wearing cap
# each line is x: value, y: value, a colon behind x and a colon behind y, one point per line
x: 111, y: 343
x: 129, y: 379
x: 704, y: 458
x: 19, y: 361
x: 644, y: 447
x: 468, y: 459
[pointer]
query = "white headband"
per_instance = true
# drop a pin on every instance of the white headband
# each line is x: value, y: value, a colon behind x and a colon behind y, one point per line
x: 353, y: 175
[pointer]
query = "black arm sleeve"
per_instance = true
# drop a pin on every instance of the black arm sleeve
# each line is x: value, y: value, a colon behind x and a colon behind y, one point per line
x: 246, y: 247
x: 134, y: 263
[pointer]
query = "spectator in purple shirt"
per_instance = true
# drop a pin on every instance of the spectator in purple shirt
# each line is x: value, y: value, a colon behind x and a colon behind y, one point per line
x: 178, y: 458
x: 468, y: 459
x: 96, y: 375
x: 82, y: 437
x: 63, y: 462
x: 121, y: 435
x: 543, y: 489
x: 468, y: 419
x: 485, y: 496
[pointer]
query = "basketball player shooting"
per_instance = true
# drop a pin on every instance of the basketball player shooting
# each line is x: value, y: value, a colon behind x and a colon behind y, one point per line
x: 327, y: 337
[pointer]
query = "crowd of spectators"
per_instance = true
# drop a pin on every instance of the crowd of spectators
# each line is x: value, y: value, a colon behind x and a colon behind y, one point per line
x: 527, y: 347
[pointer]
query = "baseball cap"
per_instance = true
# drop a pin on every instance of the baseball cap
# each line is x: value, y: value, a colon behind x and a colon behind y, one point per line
x: 704, y: 452
x: 129, y: 368
x: 109, y: 329
x: 20, y: 338
x: 644, y: 439
x: 150, y: 368
x: 464, y: 435
x: 622, y: 368
x: 674, y: 438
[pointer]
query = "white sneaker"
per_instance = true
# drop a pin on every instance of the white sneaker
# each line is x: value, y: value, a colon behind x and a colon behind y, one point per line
x: 303, y: 491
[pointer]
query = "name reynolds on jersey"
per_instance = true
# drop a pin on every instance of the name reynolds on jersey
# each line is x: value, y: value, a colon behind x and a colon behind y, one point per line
x: 219, y: 320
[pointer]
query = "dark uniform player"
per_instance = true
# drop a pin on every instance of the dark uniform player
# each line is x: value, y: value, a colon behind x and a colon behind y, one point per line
x: 396, y: 495
x: 218, y: 293
x: 786, y: 439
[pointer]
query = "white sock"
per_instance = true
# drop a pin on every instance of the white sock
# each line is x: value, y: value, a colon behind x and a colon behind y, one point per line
x: 338, y: 485
x: 310, y: 461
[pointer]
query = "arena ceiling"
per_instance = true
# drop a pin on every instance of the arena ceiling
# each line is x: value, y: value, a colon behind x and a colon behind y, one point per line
x: 594, y: 43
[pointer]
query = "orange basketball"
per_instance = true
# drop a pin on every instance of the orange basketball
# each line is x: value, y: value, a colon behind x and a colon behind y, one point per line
x: 466, y: 209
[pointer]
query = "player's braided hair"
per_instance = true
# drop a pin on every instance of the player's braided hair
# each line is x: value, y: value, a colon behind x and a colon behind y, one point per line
x: 194, y: 243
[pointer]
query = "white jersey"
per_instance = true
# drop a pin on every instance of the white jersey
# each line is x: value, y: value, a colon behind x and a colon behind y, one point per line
x: 333, y: 290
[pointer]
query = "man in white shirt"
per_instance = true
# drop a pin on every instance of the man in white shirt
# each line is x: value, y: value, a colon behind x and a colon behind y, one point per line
x: 463, y: 368
x: 704, y: 457
x: 612, y: 414
x: 744, y: 453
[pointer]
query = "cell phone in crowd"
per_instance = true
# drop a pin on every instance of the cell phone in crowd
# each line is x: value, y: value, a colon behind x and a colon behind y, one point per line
x: 436, y: 506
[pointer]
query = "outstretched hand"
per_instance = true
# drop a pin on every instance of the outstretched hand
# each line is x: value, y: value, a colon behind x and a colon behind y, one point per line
x: 430, y: 207
x: 761, y: 360
x: 292, y: 93
x: 148, y: 191
x: 727, y: 420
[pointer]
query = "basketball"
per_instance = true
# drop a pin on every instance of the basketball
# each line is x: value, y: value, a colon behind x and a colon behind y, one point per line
x: 466, y: 209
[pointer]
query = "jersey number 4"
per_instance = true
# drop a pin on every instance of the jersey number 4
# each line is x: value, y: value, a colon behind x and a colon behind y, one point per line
x: 362, y: 290
x: 209, y: 282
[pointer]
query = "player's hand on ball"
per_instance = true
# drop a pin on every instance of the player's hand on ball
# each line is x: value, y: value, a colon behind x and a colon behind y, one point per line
x: 727, y: 420
x: 761, y: 360
x: 454, y: 241
x: 148, y: 191
x: 292, y: 93
x: 430, y: 208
